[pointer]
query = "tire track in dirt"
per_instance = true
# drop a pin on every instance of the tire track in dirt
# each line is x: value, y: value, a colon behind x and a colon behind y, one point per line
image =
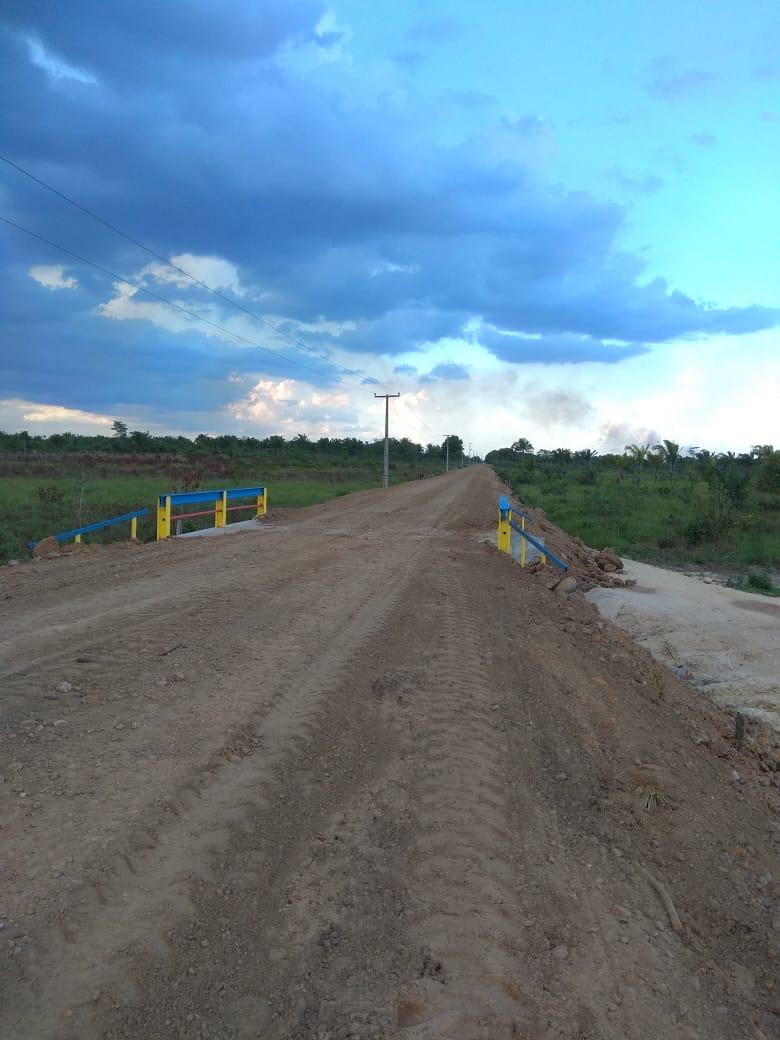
x: 463, y: 881
x: 147, y: 885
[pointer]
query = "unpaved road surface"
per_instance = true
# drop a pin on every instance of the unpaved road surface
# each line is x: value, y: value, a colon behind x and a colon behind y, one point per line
x: 356, y: 775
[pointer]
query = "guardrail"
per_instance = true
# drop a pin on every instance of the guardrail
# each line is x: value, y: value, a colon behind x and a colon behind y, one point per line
x: 77, y: 532
x: 220, y: 499
x: 507, y: 524
x: 165, y: 514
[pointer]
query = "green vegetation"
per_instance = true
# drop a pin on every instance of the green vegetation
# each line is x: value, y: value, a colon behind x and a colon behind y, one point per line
x: 51, y: 484
x: 653, y: 503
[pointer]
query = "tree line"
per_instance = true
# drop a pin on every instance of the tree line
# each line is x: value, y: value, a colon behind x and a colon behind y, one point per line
x: 733, y: 471
x: 121, y: 440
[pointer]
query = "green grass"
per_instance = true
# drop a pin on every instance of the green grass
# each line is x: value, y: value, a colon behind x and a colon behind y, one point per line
x: 653, y: 519
x: 25, y: 517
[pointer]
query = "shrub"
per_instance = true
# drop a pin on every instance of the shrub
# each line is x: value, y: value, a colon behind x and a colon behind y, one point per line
x: 50, y: 496
x: 761, y: 582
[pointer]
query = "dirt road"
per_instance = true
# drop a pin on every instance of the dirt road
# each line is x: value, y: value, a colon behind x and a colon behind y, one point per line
x: 356, y: 775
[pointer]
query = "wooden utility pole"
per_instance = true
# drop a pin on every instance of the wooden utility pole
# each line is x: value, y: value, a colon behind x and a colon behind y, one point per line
x: 387, y: 397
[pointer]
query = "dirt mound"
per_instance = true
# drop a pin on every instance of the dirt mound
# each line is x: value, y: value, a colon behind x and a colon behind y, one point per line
x: 46, y: 548
x: 589, y: 566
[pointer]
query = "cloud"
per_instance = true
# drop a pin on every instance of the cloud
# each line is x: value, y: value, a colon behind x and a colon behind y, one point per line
x: 409, y: 58
x: 55, y: 416
x: 704, y: 140
x: 645, y: 185
x: 405, y: 370
x: 664, y: 80
x: 548, y: 408
x: 554, y: 350
x: 54, y: 66
x: 293, y: 406
x: 213, y: 270
x: 52, y: 276
x: 255, y: 188
x: 449, y: 370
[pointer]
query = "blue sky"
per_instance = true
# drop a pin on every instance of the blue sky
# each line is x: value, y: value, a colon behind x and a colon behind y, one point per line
x: 550, y: 220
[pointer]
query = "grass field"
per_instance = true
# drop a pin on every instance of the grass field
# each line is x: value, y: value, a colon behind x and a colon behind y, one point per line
x: 82, y: 492
x: 654, y: 519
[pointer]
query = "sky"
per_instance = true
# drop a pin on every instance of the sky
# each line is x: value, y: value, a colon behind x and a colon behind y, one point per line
x: 531, y: 218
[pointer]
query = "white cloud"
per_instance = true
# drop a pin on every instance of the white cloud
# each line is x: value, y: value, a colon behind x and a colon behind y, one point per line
x: 52, y: 276
x: 54, y: 66
x: 16, y: 413
x: 215, y: 271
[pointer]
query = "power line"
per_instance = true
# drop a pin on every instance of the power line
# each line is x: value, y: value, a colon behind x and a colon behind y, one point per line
x: 175, y: 267
x: 197, y: 281
x: 156, y: 296
x: 204, y: 285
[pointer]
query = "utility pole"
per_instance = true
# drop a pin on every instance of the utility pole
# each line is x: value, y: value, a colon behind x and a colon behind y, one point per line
x: 469, y: 453
x: 387, y: 437
x: 447, y: 445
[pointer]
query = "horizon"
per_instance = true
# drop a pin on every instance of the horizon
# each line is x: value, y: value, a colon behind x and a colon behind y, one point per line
x: 560, y: 224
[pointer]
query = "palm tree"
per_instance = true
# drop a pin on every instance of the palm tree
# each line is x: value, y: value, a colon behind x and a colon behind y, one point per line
x: 670, y: 454
x: 523, y: 445
x: 638, y: 453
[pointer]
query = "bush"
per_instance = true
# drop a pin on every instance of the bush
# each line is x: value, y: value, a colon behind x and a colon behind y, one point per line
x: 768, y: 478
x: 50, y: 496
x: 761, y: 582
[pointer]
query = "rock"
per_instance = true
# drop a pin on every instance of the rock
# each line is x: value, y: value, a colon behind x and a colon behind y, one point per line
x: 620, y: 912
x: 565, y: 586
x: 45, y: 548
x: 60, y: 722
x: 13, y: 563
x: 64, y: 687
x: 561, y: 776
x: 608, y: 561
x: 561, y: 953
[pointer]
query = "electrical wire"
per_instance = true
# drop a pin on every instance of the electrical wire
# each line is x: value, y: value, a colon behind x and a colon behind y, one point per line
x: 416, y: 419
x: 156, y: 296
x: 161, y: 299
x: 179, y: 270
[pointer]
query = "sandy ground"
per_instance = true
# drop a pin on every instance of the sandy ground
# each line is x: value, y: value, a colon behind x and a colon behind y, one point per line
x: 362, y: 776
x: 726, y: 641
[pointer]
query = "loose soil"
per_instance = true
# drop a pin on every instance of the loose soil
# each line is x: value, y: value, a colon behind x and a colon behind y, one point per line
x: 358, y: 775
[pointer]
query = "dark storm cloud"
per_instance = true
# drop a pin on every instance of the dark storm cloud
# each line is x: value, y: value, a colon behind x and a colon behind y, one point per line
x: 555, y: 349
x: 196, y: 138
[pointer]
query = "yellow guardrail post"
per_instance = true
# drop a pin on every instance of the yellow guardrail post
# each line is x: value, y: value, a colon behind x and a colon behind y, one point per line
x: 523, y: 543
x: 261, y: 503
x: 164, y: 517
x: 504, y: 534
x: 220, y: 513
x: 77, y: 538
x: 134, y: 529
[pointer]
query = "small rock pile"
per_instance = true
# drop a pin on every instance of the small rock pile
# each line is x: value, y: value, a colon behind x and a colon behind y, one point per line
x: 589, y: 566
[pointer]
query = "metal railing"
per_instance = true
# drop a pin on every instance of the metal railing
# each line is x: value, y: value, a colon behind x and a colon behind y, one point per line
x: 77, y: 532
x: 507, y: 524
x: 220, y: 510
x: 165, y: 514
